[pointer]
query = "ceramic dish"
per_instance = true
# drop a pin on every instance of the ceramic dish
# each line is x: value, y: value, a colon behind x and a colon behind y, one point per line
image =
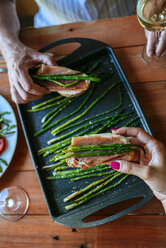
x: 11, y: 139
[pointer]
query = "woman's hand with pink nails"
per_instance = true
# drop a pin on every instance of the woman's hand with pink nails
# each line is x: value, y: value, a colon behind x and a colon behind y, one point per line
x: 152, y: 165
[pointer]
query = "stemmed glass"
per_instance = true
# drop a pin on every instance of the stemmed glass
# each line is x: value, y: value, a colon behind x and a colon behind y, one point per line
x: 152, y: 16
x: 14, y: 203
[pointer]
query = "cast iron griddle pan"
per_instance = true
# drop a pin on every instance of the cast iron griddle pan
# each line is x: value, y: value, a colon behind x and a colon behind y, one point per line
x: 56, y: 190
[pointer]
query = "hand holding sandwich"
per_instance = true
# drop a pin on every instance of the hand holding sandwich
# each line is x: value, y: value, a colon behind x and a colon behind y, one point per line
x: 19, y: 58
x: 151, y: 167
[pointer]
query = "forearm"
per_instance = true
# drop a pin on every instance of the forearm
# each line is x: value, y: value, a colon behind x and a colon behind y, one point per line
x: 9, y: 28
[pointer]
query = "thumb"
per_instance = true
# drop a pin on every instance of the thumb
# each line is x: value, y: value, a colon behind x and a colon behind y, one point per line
x: 151, y: 42
x: 161, y: 45
x: 142, y: 171
x: 47, y: 59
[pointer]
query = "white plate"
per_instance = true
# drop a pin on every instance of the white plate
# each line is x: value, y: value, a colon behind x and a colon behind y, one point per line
x: 11, y: 139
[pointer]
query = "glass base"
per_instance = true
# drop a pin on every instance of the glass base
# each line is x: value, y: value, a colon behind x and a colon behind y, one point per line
x: 14, y: 203
x: 154, y: 62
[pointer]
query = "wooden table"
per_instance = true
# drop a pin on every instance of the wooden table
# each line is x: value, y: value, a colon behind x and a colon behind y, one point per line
x: 144, y: 228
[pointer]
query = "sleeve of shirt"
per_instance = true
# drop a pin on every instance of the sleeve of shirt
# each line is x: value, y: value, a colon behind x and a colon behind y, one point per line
x: 57, y: 12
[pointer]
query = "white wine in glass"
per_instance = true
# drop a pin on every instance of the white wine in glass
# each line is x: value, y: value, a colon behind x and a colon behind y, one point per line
x: 152, y: 16
x: 14, y: 203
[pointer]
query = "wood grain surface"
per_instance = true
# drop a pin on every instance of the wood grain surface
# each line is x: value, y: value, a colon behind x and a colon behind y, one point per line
x: 144, y: 228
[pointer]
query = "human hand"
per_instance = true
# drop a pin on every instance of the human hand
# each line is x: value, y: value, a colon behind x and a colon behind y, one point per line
x: 19, y: 60
x: 151, y: 167
x: 156, y: 43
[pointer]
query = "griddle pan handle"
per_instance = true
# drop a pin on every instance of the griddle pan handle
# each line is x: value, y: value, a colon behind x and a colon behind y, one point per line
x: 86, y: 46
x: 75, y: 219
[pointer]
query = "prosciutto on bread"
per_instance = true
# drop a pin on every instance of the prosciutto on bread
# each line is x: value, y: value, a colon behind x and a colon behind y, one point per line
x: 99, y: 139
x: 71, y: 91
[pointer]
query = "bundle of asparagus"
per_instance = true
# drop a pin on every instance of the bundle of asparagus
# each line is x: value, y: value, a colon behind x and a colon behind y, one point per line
x: 67, y: 82
x: 87, y: 126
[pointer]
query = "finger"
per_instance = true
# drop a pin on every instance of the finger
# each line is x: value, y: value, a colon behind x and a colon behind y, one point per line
x: 26, y: 96
x: 135, y: 141
x: 15, y: 96
x: 22, y: 97
x: 138, y: 133
x: 151, y: 43
x: 153, y: 147
x: 20, y: 91
x: 144, y: 158
x: 30, y: 87
x: 45, y: 59
x: 161, y: 45
x: 143, y: 171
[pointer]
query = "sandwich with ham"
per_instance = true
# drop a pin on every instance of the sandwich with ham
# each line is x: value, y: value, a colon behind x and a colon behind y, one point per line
x: 67, y: 82
x: 90, y: 150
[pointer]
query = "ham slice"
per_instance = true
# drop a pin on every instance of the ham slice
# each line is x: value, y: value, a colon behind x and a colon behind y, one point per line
x: 70, y: 91
x: 99, y: 139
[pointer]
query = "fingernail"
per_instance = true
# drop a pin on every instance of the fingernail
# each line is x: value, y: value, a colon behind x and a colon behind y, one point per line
x: 114, y: 129
x: 157, y: 55
x: 150, y: 54
x: 115, y: 165
x: 50, y: 54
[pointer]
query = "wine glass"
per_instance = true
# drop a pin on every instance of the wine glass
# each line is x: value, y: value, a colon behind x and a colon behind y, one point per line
x: 14, y: 203
x: 152, y: 16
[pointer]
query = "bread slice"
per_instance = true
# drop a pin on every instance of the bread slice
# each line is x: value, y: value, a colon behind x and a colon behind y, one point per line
x: 98, y: 139
x: 70, y: 91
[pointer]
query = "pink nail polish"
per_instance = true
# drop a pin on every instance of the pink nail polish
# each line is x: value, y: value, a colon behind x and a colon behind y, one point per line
x: 115, y: 165
x: 114, y: 129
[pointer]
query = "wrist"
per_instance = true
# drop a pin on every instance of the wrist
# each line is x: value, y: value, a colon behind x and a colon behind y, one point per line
x: 11, y: 52
x: 10, y: 45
